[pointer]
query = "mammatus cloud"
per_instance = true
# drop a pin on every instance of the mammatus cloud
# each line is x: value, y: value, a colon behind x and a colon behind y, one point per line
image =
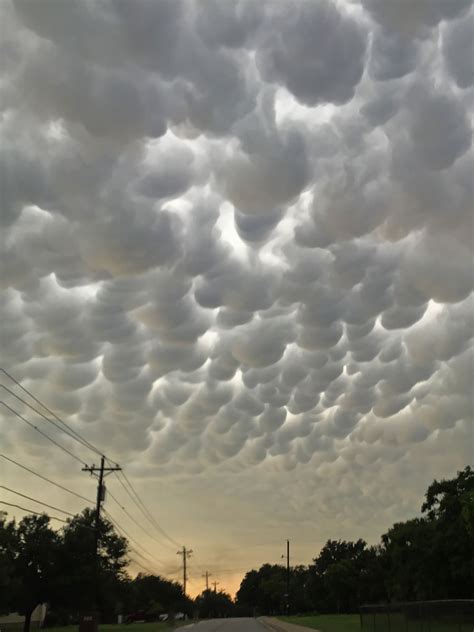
x: 238, y: 237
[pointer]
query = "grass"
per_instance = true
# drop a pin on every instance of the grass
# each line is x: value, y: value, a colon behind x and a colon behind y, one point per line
x: 328, y: 622
x: 351, y: 623
x: 129, y: 627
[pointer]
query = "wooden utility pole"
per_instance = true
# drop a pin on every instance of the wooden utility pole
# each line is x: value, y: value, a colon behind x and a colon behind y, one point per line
x: 215, y: 584
x: 186, y: 554
x: 287, y: 577
x: 102, y: 473
x: 207, y: 575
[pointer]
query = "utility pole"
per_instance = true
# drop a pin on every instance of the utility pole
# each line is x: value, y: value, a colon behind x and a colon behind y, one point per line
x: 186, y: 554
x: 287, y: 577
x: 215, y: 584
x: 103, y: 472
x: 207, y: 575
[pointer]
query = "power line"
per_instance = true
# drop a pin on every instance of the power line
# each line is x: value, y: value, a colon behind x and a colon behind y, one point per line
x: 142, y: 566
x: 152, y: 561
x: 143, y: 510
x: 117, y: 502
x: 40, y: 502
x: 59, y: 445
x: 70, y: 491
x: 141, y: 505
x: 38, y: 401
x: 30, y: 511
x: 45, y: 417
x: 127, y: 535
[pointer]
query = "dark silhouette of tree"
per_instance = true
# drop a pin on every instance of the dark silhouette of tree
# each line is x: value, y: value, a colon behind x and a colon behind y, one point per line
x: 214, y: 605
x: 7, y: 559
x: 34, y: 558
x: 78, y: 565
x: 153, y: 595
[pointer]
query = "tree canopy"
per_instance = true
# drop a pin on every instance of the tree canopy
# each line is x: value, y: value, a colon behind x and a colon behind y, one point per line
x: 427, y: 557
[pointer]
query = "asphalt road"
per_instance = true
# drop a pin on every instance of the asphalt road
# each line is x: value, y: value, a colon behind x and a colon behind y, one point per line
x: 227, y: 625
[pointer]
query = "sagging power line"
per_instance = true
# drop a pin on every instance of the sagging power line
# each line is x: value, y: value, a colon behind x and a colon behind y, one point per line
x: 68, y: 429
x: 30, y: 511
x: 40, y: 502
x: 60, y: 425
x: 44, y: 478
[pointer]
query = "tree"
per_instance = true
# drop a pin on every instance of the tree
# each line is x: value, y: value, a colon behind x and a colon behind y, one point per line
x: 449, y: 509
x: 211, y: 604
x: 149, y: 592
x: 341, y: 574
x: 34, y: 576
x: 433, y: 557
x: 411, y: 560
x: 86, y: 578
x: 263, y: 591
x: 7, y: 557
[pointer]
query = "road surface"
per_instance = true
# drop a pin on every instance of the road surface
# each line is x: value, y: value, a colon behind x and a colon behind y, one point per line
x: 227, y: 625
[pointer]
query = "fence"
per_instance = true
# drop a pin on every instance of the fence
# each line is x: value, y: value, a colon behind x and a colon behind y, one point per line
x: 419, y: 616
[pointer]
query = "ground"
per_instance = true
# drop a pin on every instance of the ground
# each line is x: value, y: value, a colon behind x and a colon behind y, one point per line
x: 329, y: 622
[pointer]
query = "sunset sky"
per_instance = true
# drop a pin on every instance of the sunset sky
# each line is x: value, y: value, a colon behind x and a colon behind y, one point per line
x: 236, y: 256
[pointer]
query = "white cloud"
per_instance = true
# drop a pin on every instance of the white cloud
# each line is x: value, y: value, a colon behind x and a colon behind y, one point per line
x: 225, y: 227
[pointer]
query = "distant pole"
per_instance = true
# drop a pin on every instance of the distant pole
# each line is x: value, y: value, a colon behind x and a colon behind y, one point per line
x: 207, y: 575
x: 186, y: 554
x: 103, y: 471
x: 215, y: 584
x: 287, y: 577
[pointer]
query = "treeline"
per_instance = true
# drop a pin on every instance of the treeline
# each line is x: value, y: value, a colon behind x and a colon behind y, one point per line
x: 425, y: 558
x: 431, y: 557
x: 41, y: 565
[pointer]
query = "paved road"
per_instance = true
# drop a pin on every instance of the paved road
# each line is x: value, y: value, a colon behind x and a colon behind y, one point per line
x: 227, y: 625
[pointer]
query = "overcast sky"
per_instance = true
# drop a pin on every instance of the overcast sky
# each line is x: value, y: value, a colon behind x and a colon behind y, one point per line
x: 237, y: 256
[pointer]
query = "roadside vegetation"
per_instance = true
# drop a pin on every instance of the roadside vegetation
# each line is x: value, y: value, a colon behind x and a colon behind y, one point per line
x: 328, y: 622
x: 425, y: 558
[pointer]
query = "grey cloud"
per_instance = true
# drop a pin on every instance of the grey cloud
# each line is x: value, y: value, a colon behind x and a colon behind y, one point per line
x: 257, y: 182
x: 171, y: 175
x: 316, y: 51
x: 458, y: 50
x: 392, y: 56
x: 256, y: 229
x: 225, y: 275
x: 120, y: 247
x: 232, y: 25
x: 261, y: 344
x: 414, y: 18
x: 439, y: 129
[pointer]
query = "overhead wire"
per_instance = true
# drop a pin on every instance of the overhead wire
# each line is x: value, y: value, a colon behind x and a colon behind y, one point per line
x: 141, y: 566
x: 141, y: 505
x: 30, y: 511
x: 80, y: 438
x: 44, y: 478
x: 46, y: 436
x: 73, y: 434
x: 40, y: 502
x: 127, y: 535
x: 130, y: 516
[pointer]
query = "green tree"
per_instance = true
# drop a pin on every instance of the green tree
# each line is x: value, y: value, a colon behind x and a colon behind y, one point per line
x: 211, y: 604
x: 85, y: 579
x: 149, y: 591
x: 262, y: 591
x: 411, y: 560
x: 7, y: 557
x: 341, y: 575
x: 34, y: 580
x: 449, y: 509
